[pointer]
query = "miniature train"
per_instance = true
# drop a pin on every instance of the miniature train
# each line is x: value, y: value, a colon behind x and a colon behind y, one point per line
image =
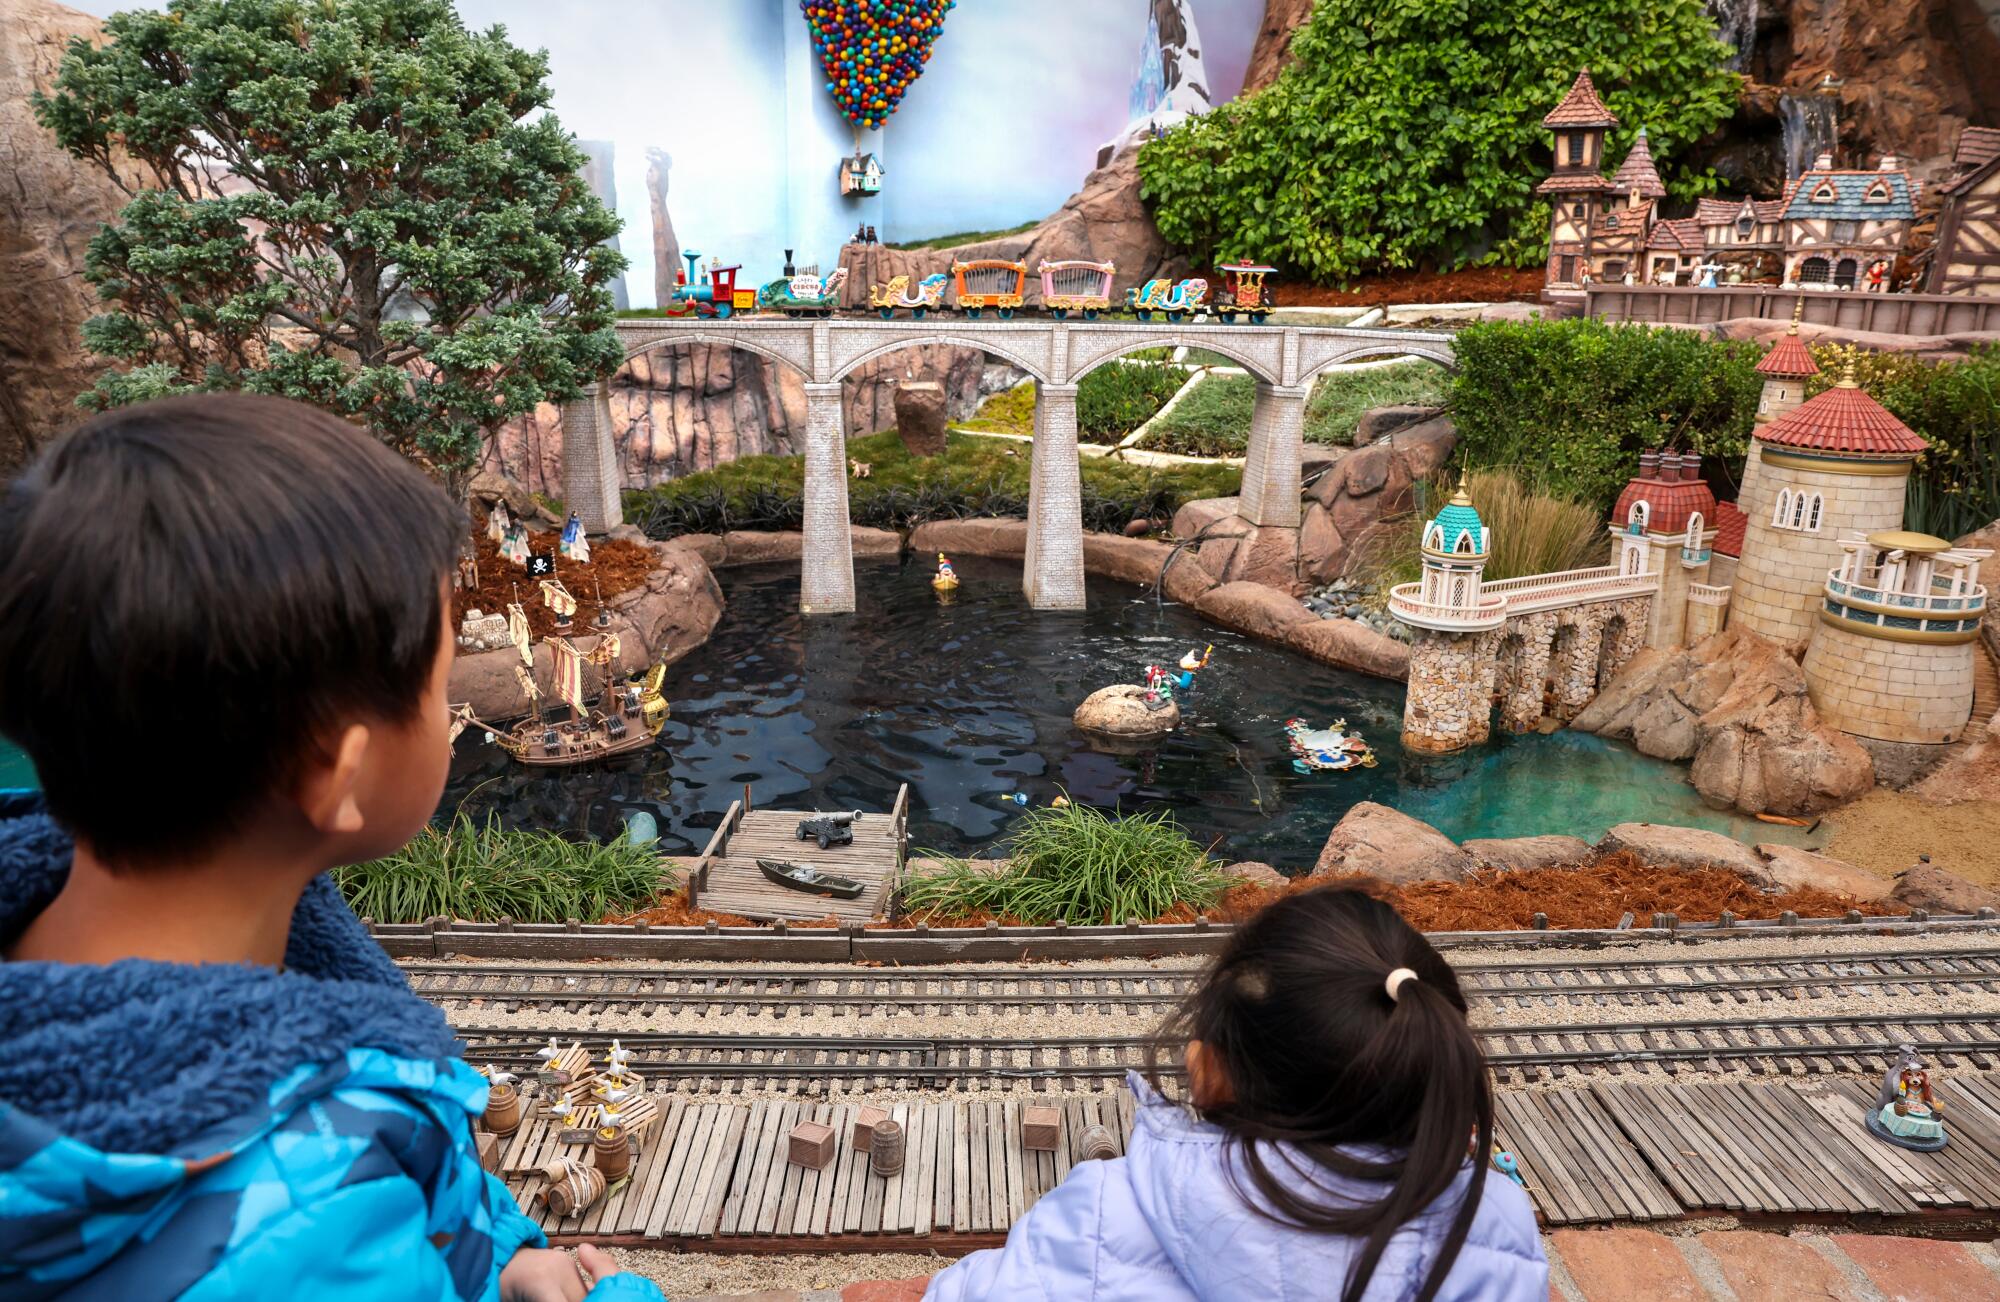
x: 1069, y: 287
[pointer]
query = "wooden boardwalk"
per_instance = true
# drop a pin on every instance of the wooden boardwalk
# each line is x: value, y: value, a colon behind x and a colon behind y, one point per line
x: 1786, y: 1150
x: 727, y: 879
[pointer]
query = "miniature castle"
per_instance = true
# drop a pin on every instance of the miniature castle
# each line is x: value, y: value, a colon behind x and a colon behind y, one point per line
x: 1833, y: 227
x: 1812, y: 552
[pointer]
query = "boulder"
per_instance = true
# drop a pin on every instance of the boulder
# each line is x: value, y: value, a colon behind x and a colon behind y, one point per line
x: 1350, y: 644
x: 1253, y: 609
x: 921, y: 414
x: 865, y: 541
x: 1517, y: 853
x: 1424, y: 447
x: 1210, y: 517
x: 1736, y: 705
x: 708, y: 546
x: 1378, y: 421
x: 992, y: 537
x: 1187, y: 579
x: 1321, y: 548
x: 1121, y: 711
x: 1129, y: 560
x: 1665, y: 846
x: 756, y: 547
x: 1968, y: 772
x: 1267, y: 554
x: 1367, y: 470
x: 489, y: 486
x: 1392, y: 847
x: 1924, y: 885
x: 1788, y: 868
x: 1258, y: 874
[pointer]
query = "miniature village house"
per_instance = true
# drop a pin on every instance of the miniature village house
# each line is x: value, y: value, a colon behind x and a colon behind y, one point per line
x: 1835, y: 228
x: 1966, y: 258
x: 860, y: 174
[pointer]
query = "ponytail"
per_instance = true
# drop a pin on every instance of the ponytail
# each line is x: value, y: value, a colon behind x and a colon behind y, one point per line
x: 1341, y: 1028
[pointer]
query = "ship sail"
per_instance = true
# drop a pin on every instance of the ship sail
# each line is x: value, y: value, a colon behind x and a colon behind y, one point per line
x: 527, y: 682
x: 558, y: 599
x: 605, y: 651
x: 517, y: 631
x: 569, y: 673
x: 459, y: 718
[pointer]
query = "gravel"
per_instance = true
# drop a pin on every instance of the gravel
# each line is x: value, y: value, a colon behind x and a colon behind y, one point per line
x: 685, y: 1275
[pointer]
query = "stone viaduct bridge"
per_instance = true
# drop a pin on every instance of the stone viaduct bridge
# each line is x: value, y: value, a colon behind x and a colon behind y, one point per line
x: 1056, y: 354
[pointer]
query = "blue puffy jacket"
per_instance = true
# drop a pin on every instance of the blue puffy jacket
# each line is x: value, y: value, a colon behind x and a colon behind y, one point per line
x: 1168, y: 1223
x: 229, y: 1131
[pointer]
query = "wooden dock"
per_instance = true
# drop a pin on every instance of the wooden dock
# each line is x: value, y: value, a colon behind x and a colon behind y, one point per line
x: 727, y: 879
x: 1790, y: 1151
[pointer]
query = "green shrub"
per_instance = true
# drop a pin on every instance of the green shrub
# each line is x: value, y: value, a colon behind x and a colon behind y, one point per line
x: 1955, y: 487
x: 976, y: 476
x: 1571, y: 404
x: 1074, y: 864
x: 484, y: 873
x: 1411, y: 133
x: 1119, y: 397
x: 1535, y: 531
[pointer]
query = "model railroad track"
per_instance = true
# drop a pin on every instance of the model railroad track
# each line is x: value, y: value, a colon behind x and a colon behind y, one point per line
x: 671, y: 994
x: 1757, y: 1045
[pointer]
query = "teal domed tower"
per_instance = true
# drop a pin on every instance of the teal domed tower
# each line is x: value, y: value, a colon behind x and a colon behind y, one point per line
x: 1455, y: 546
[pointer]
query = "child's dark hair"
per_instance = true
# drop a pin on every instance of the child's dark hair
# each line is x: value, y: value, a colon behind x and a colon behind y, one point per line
x: 198, y: 591
x: 1319, y: 1057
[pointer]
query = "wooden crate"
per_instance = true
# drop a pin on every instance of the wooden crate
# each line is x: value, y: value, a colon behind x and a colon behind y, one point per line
x: 810, y: 1145
x: 865, y: 1120
x: 1041, y: 1129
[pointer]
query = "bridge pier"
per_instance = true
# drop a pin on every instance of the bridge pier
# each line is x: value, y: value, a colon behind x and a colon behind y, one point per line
x: 1449, y: 702
x: 1271, y: 463
x: 1052, y: 569
x: 826, y: 579
x: 590, y: 461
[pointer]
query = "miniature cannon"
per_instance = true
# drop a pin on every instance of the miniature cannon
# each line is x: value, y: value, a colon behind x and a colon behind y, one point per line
x: 829, y: 829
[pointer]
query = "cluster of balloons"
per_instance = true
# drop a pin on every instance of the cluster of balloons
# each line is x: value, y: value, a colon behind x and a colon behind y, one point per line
x: 873, y: 50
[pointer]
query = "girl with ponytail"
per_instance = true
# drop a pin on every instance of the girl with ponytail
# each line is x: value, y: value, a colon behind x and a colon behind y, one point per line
x: 1333, y: 1083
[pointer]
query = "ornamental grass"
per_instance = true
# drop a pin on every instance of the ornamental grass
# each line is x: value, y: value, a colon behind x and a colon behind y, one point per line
x: 1074, y: 864
x: 1535, y: 531
x: 482, y: 873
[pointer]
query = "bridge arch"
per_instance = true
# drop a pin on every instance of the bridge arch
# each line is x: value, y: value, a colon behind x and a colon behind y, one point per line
x: 991, y: 345
x: 743, y: 339
x: 1386, y: 351
x: 1258, y: 367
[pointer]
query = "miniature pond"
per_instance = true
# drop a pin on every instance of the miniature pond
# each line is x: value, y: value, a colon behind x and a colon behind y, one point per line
x: 970, y: 704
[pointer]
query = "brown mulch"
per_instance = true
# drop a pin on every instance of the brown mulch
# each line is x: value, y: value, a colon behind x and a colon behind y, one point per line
x: 615, y: 566
x: 1466, y: 285
x: 675, y: 911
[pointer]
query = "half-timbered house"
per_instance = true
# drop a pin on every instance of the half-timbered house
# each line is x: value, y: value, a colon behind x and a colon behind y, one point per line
x: 1966, y: 258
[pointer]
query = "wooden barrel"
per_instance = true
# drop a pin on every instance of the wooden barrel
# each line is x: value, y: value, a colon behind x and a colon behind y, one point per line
x: 579, y: 1187
x: 1096, y: 1143
x: 611, y: 1150
x: 503, y: 1109
x: 885, y: 1155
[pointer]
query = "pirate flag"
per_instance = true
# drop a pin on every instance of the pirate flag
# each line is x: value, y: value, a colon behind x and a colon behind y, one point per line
x: 541, y: 564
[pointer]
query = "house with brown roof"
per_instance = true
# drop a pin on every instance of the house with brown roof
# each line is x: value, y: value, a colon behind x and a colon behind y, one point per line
x: 1579, y: 195
x: 1966, y: 257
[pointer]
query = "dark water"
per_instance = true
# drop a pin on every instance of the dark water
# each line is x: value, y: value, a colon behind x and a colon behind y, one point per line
x: 970, y: 702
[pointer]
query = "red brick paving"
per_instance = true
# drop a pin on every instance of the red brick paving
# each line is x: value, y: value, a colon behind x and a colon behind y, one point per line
x: 1920, y: 1270
x: 1765, y: 1267
x: 1626, y: 1265
x: 886, y: 1290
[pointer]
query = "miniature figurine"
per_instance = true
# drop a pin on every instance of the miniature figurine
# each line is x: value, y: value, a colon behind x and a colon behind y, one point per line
x: 574, y: 545
x: 860, y: 469
x: 1159, y: 688
x: 498, y: 522
x: 1505, y: 1163
x: 1192, y: 664
x: 619, y: 1057
x: 947, y: 578
x: 1329, y: 748
x: 1878, y: 276
x: 1905, y: 1113
x: 515, y: 545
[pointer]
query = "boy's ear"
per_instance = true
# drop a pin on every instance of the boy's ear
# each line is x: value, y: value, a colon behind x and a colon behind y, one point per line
x: 326, y: 791
x: 1208, y: 1082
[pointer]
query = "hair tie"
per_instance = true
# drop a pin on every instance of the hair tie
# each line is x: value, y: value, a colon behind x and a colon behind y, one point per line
x: 1396, y: 980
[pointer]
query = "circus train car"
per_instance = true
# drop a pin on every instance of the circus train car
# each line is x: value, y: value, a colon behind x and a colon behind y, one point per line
x: 1246, y: 292
x: 713, y: 294
x: 990, y: 283
x: 803, y: 294
x: 920, y: 300
x: 1165, y: 298
x: 1075, y: 285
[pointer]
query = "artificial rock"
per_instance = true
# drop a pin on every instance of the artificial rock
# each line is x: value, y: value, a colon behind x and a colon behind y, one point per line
x: 1788, y: 868
x: 1518, y: 853
x: 1121, y: 711
x: 1391, y: 847
x: 1927, y: 886
x: 1662, y: 845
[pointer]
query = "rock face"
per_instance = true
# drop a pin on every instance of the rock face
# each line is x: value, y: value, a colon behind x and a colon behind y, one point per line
x: 1516, y: 853
x: 666, y: 247
x: 1665, y: 846
x: 921, y: 417
x: 1120, y: 711
x: 1736, y: 705
x: 1273, y: 49
x: 50, y: 206
x: 671, y: 615
x: 1788, y: 868
x: 1927, y: 886
x: 1391, y: 846
x: 1258, y: 874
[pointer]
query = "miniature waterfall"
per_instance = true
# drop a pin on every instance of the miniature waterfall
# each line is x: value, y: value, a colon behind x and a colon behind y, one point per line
x: 1812, y: 127
x: 1736, y: 25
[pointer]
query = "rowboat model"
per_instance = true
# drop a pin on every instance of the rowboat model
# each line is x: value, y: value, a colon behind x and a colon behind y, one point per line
x: 805, y: 877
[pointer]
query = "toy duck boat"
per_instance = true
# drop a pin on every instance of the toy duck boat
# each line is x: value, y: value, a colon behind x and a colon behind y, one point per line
x: 1323, y: 749
x: 946, y: 579
x: 805, y: 877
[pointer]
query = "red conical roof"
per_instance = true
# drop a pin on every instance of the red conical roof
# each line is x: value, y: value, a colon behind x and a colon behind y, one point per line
x: 1637, y: 175
x: 1788, y: 356
x: 1843, y: 420
x: 1581, y: 107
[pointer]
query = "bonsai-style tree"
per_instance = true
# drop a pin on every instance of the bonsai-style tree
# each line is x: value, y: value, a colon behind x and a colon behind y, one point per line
x: 1411, y: 132
x: 357, y: 203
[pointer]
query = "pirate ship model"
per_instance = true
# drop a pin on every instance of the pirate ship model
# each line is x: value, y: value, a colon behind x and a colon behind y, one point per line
x: 627, y: 718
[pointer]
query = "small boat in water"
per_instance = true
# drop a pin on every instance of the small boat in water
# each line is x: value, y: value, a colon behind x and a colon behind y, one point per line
x: 805, y: 877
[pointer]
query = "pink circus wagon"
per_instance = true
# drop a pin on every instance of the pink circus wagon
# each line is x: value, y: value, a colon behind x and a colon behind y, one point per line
x: 1074, y: 285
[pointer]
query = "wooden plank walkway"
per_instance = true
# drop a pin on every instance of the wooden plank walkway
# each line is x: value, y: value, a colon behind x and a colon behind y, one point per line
x: 1787, y: 1150
x: 727, y: 879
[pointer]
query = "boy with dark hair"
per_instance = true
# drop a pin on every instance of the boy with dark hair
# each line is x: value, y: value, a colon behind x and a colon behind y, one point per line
x: 224, y: 642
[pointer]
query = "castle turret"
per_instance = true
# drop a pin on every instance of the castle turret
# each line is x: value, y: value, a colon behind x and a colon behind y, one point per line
x: 1577, y: 184
x: 1836, y: 465
x: 1665, y: 523
x: 1448, y: 704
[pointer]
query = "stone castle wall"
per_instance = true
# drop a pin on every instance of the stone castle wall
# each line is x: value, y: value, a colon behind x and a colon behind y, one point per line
x: 1782, y: 574
x: 1449, y: 705
x: 1704, y: 620
x: 1872, y: 687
